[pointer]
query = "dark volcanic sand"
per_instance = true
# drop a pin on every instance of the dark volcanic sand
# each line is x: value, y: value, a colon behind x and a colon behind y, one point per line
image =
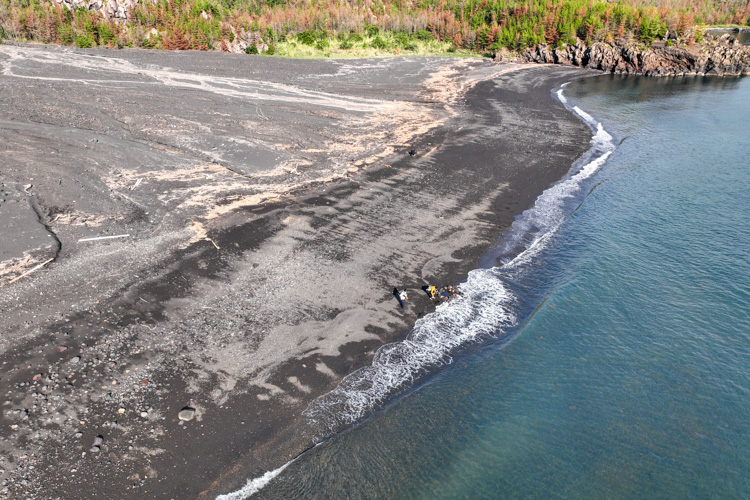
x: 276, y: 210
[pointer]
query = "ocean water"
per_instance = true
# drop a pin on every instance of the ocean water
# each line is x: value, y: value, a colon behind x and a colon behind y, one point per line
x: 603, y: 348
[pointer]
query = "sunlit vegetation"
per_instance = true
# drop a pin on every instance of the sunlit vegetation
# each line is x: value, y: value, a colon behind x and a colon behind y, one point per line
x: 365, y: 27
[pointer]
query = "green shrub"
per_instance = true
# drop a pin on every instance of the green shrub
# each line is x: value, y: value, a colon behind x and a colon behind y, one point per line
x: 372, y: 30
x: 355, y: 37
x: 345, y: 45
x: 378, y: 43
x: 648, y: 30
x: 271, y: 50
x: 412, y: 47
x: 208, y: 7
x: 85, y: 41
x: 452, y: 49
x: 65, y: 34
x: 424, y: 35
x: 105, y: 34
x: 322, y: 44
x: 307, y: 37
x: 251, y: 49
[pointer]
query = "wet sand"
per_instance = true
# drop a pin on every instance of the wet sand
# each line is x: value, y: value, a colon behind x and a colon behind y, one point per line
x: 270, y: 207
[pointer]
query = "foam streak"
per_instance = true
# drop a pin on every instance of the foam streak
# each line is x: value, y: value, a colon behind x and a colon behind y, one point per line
x: 254, y: 485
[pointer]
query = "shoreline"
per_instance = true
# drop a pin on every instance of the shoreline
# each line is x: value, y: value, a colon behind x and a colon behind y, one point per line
x: 243, y: 472
x: 278, y: 303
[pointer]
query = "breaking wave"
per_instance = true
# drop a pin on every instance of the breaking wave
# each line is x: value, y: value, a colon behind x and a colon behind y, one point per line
x: 254, y: 485
x: 484, y: 309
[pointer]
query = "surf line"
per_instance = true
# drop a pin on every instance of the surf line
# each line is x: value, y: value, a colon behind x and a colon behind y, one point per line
x: 487, y: 309
x: 255, y: 485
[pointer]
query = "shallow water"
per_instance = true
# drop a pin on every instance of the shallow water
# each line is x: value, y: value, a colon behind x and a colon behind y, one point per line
x: 618, y: 364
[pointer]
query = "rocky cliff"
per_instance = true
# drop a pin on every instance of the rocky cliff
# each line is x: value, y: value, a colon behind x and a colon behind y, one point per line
x: 717, y: 56
x: 111, y: 9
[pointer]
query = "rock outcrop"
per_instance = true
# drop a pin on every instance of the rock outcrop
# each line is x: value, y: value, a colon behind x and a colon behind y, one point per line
x: 111, y: 9
x: 718, y: 56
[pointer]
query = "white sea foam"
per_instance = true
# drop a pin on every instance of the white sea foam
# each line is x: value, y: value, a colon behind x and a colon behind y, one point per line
x: 484, y: 309
x: 254, y: 485
x: 487, y: 308
x: 586, y: 117
x: 530, y: 232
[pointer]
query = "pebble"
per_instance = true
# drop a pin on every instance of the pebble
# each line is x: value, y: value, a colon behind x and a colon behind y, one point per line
x: 95, y: 449
x: 144, y: 414
x: 75, y: 359
x: 98, y: 440
x: 78, y: 434
x: 121, y: 410
x: 186, y: 414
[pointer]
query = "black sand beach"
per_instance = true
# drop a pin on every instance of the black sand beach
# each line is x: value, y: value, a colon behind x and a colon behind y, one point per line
x: 262, y: 211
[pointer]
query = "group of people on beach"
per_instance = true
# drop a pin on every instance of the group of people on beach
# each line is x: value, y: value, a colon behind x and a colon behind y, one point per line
x: 442, y: 294
x: 436, y: 294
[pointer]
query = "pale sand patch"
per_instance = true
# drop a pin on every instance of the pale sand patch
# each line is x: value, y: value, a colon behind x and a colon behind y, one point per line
x: 378, y: 133
x: 325, y: 370
x: 77, y: 218
x: 299, y: 385
x: 12, y: 268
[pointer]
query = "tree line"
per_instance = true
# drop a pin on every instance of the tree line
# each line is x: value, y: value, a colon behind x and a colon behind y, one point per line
x: 472, y: 25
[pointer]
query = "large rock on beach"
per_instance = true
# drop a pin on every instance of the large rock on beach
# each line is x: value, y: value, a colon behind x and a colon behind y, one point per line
x: 719, y: 56
x: 186, y: 414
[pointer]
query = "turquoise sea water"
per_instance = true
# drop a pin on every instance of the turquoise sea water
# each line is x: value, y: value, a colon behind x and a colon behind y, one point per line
x: 622, y: 366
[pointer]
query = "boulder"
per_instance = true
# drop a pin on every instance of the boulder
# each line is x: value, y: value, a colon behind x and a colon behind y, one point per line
x: 186, y: 414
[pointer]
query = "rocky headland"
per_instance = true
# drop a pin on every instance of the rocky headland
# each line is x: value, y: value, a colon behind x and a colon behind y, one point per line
x: 722, y: 55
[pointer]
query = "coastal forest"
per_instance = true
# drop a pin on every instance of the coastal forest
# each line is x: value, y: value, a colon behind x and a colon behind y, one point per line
x: 369, y: 27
